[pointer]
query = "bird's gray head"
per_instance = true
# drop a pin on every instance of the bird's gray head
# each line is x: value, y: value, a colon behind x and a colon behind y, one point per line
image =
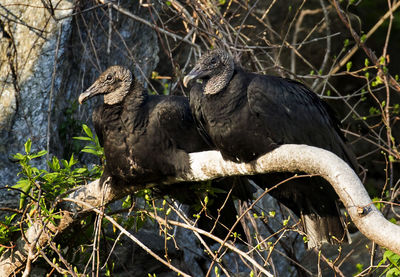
x: 114, y: 83
x: 215, y: 68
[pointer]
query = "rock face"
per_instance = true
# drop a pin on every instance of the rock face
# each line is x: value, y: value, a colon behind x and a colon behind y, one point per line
x: 32, y: 103
x: 27, y: 52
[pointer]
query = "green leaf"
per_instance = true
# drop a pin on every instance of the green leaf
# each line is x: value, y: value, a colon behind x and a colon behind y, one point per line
x: 378, y: 80
x: 96, y: 140
x: 127, y: 202
x: 72, y: 161
x: 348, y: 66
x: 82, y: 138
x: 382, y: 60
x: 393, y: 272
x: 87, y: 130
x: 80, y: 170
x: 51, y: 177
x: 28, y: 145
x: 206, y: 200
x: 373, y: 111
x: 65, y: 163
x: 216, y: 270
x: 18, y: 156
x: 359, y: 268
x: 55, y: 164
x: 23, y: 184
x: 286, y: 221
x: 392, y: 257
x: 90, y: 151
x: 272, y: 213
x: 378, y: 205
x: 39, y: 154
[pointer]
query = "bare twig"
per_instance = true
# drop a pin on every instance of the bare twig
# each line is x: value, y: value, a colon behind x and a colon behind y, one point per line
x: 361, y: 43
x: 129, y: 235
x: 217, y: 239
x: 155, y: 27
x: 353, y: 50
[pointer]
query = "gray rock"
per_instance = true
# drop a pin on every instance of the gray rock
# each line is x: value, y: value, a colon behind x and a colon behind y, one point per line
x: 82, y: 56
x: 24, y: 97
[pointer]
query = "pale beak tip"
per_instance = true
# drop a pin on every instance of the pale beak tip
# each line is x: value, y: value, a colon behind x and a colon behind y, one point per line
x: 186, y: 80
x: 83, y: 96
x: 81, y: 99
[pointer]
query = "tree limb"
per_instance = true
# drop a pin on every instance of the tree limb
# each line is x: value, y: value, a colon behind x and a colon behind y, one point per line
x: 312, y: 160
x: 210, y: 165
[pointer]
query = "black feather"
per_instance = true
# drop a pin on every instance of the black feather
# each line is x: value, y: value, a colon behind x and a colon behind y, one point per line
x: 250, y: 114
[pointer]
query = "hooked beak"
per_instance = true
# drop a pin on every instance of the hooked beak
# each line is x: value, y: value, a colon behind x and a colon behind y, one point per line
x: 188, y: 78
x: 194, y: 74
x: 90, y: 92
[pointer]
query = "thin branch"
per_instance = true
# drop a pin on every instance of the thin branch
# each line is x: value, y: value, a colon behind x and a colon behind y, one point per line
x: 217, y: 239
x: 361, y: 43
x: 129, y: 235
x: 155, y: 27
x: 368, y: 35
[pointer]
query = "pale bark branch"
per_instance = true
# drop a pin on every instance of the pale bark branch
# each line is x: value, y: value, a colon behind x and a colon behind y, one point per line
x: 210, y: 165
x: 294, y: 158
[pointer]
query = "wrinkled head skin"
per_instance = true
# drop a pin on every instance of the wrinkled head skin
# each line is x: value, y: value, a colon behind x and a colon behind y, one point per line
x: 212, y: 64
x: 114, y: 84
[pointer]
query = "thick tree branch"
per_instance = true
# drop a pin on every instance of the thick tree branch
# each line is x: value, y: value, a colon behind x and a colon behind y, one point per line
x: 312, y: 160
x: 210, y: 165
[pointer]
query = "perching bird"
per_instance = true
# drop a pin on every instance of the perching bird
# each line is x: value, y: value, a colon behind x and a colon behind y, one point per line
x: 147, y: 138
x: 246, y: 115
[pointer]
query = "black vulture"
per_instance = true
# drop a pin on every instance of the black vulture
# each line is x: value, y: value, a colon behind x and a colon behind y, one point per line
x: 147, y: 138
x: 246, y: 115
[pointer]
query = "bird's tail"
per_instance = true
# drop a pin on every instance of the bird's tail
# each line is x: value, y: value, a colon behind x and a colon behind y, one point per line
x: 326, y: 228
x: 314, y: 201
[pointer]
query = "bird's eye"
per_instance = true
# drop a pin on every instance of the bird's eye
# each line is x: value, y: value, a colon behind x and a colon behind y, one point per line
x: 109, y: 77
x: 213, y: 60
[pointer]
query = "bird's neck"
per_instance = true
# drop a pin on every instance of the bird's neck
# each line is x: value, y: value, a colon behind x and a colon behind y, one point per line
x: 137, y: 96
x: 118, y: 94
x: 219, y: 81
